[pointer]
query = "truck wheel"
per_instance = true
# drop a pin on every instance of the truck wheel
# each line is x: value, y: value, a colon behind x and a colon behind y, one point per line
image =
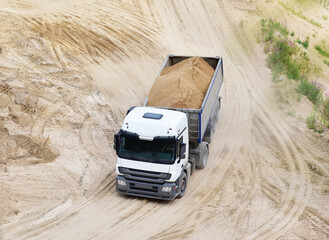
x: 217, y: 114
x: 191, y: 160
x: 209, y: 132
x: 182, y: 185
x: 204, y: 153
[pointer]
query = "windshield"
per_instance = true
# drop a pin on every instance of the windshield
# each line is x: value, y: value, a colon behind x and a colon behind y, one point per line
x: 160, y: 150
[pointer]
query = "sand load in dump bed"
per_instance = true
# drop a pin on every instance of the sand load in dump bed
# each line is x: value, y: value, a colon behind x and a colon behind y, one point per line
x: 183, y: 85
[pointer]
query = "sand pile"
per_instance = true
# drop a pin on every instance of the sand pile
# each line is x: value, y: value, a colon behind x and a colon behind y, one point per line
x: 182, y: 85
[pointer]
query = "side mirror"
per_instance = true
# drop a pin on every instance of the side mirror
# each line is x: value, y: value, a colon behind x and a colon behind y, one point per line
x: 115, y: 141
x: 182, y: 150
x: 130, y: 109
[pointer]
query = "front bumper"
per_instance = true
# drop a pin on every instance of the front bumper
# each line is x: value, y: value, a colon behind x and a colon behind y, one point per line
x: 145, y: 189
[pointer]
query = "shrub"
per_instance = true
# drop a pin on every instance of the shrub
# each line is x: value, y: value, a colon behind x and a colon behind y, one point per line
x: 276, y: 71
x: 326, y: 109
x: 293, y: 70
x: 311, y: 121
x: 304, y: 43
x: 316, y: 123
x: 320, y: 127
x: 311, y: 90
x: 280, y: 59
x: 304, y: 63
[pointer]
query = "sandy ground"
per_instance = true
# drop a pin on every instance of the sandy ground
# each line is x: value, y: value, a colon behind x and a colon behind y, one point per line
x: 69, y: 70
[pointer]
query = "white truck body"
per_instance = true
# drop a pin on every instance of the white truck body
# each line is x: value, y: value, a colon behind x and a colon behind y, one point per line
x: 159, y: 148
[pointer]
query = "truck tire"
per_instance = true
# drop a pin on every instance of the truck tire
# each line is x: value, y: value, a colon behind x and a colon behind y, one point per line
x: 182, y: 185
x: 191, y: 160
x: 204, y: 153
x: 217, y: 112
x: 211, y: 127
x: 209, y: 132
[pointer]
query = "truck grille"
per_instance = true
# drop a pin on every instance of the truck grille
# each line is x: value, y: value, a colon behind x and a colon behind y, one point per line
x: 144, y: 176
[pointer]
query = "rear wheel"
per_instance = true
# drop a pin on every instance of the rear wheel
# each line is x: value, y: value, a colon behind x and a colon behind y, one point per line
x: 204, y: 153
x: 211, y: 127
x: 209, y: 132
x: 182, y: 185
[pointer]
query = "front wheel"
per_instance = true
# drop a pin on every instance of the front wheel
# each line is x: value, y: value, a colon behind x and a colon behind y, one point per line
x: 182, y: 185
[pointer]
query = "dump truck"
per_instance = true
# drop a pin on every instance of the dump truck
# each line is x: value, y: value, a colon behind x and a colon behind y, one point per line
x: 159, y: 148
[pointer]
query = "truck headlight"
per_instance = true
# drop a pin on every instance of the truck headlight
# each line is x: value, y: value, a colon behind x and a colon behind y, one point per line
x: 122, y: 182
x: 166, y: 189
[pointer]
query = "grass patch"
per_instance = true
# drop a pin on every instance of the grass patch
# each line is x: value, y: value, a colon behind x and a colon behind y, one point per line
x: 281, y: 60
x: 311, y: 121
x: 322, y: 51
x: 316, y: 123
x: 312, y: 91
x: 326, y: 109
x: 301, y: 15
x: 304, y: 43
x: 269, y: 27
x: 284, y: 56
x: 326, y: 62
x: 290, y: 113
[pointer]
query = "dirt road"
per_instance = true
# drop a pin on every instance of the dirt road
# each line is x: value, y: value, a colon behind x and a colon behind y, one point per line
x: 69, y: 71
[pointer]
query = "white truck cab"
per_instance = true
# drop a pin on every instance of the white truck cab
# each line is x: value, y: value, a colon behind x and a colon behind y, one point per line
x: 151, y: 147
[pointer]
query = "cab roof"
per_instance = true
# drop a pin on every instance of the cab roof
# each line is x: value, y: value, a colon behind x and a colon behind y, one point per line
x: 151, y: 122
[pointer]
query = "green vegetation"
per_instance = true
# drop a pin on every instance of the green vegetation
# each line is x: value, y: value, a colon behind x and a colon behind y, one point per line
x: 269, y: 27
x: 316, y: 123
x: 286, y: 57
x: 325, y: 17
x: 319, y: 128
x: 290, y: 113
x: 305, y: 43
x: 326, y: 62
x: 321, y: 51
x: 280, y: 59
x: 326, y: 109
x: 300, y: 14
x: 324, y: 3
x: 311, y: 121
x: 311, y: 90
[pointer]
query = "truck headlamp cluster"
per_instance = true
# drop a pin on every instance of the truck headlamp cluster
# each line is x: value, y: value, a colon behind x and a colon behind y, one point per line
x: 122, y: 182
x: 166, y: 189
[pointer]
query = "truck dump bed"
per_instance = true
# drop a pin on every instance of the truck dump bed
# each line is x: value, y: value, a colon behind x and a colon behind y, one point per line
x: 198, y: 118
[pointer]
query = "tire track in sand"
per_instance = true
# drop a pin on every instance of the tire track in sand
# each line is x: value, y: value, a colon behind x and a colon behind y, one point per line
x: 67, y: 32
x: 292, y: 204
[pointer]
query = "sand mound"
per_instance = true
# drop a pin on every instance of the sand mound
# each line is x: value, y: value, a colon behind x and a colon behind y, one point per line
x: 182, y: 85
